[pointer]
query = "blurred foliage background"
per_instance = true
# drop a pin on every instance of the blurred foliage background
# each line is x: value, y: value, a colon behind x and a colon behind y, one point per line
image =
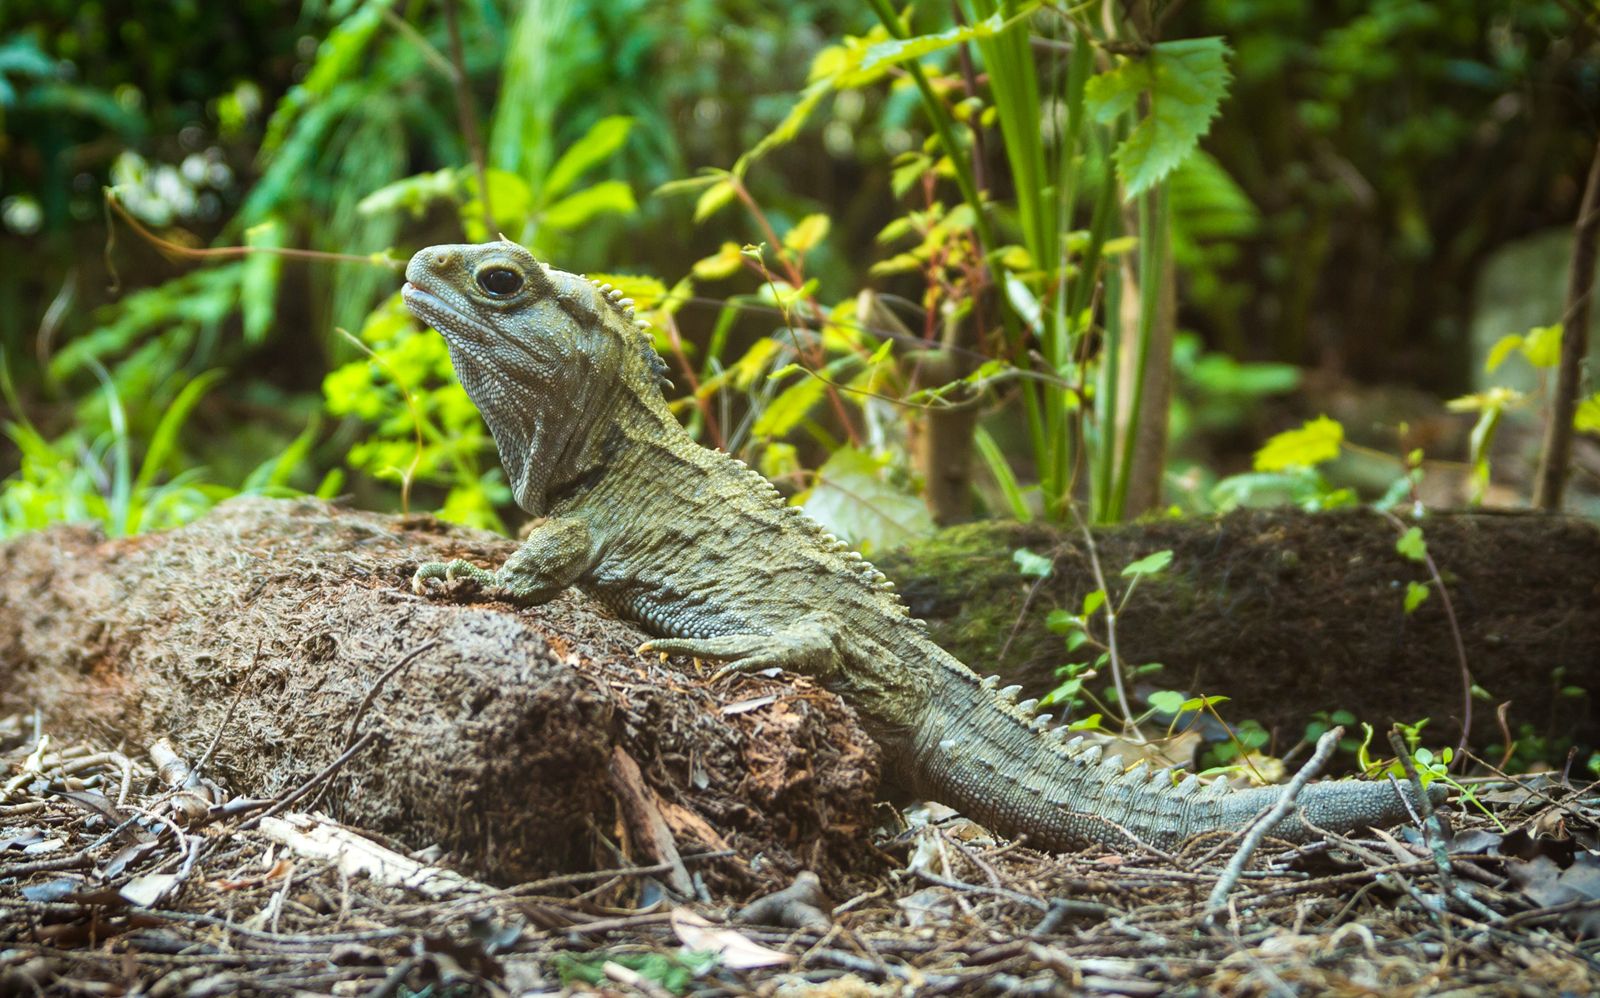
x: 1368, y: 162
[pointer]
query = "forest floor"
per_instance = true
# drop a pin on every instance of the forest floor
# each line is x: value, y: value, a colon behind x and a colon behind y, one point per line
x: 528, y: 805
x: 115, y: 882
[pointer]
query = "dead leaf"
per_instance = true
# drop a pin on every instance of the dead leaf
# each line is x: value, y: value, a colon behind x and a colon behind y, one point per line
x: 148, y: 888
x: 744, y: 706
x: 734, y: 950
x: 931, y: 904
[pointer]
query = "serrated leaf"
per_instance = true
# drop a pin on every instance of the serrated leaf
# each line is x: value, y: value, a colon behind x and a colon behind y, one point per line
x: 1033, y: 565
x: 598, y: 144
x: 1314, y: 442
x: 806, y: 233
x: 1412, y: 546
x: 607, y: 197
x: 1185, y: 82
x: 1416, y: 592
x: 1150, y: 564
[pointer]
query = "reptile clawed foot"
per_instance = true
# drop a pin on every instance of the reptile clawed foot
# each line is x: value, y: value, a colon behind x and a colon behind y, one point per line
x: 449, y: 571
x: 739, y: 651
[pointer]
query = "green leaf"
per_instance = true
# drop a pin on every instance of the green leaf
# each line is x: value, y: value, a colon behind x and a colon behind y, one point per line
x: 792, y: 405
x: 1150, y: 564
x: 1416, y: 592
x: 509, y: 195
x: 606, y: 197
x: 258, y: 282
x: 788, y: 128
x: 720, y: 265
x: 1057, y: 621
x: 1411, y: 545
x: 1093, y: 600
x: 1316, y: 441
x: 852, y: 499
x: 1090, y: 723
x: 414, y: 193
x: 1004, y: 477
x: 1502, y: 349
x: 1076, y: 639
x: 1542, y: 345
x: 1185, y: 82
x: 899, y: 50
x: 598, y: 144
x: 1587, y: 418
x: 806, y: 233
x: 713, y: 199
x: 1167, y: 701
x: 1033, y: 565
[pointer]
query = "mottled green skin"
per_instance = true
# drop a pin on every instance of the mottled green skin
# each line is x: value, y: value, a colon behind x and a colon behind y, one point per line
x: 704, y: 553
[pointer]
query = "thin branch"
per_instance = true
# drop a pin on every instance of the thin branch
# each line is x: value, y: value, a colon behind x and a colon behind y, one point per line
x: 466, y: 113
x: 227, y: 718
x: 1258, y: 831
x: 177, y: 251
x: 311, y: 784
x: 1556, y: 454
x: 1114, y: 658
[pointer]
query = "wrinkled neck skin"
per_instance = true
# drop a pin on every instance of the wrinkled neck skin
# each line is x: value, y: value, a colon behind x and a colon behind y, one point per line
x: 546, y: 418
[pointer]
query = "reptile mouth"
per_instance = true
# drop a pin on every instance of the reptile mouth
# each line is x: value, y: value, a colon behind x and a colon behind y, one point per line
x: 440, y: 314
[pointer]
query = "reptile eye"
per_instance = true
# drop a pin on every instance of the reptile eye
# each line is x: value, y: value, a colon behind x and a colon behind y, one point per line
x: 499, y: 282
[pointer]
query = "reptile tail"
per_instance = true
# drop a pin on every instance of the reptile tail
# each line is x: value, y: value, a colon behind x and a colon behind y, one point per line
x: 999, y: 763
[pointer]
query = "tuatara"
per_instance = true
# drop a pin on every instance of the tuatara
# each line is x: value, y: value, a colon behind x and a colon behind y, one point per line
x: 705, y: 554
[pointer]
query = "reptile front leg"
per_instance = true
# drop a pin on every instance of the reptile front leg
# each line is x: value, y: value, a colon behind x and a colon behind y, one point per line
x: 556, y: 553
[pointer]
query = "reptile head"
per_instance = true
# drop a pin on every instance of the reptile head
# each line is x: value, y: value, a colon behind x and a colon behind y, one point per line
x: 545, y: 355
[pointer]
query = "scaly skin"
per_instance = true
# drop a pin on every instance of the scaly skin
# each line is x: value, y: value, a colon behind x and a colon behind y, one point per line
x: 705, y: 554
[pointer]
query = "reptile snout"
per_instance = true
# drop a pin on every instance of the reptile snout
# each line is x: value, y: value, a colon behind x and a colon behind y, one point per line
x: 428, y: 266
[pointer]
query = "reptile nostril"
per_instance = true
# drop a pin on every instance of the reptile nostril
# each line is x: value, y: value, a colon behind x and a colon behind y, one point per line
x: 443, y: 259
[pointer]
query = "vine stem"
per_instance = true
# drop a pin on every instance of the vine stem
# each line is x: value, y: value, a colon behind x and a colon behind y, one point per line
x: 1111, y: 628
x: 1455, y: 635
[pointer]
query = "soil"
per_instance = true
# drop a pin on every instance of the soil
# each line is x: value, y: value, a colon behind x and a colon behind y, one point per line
x: 495, y: 742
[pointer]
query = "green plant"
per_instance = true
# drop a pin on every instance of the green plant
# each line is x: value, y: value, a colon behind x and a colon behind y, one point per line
x: 1019, y: 282
x: 1078, y: 629
x: 77, y: 478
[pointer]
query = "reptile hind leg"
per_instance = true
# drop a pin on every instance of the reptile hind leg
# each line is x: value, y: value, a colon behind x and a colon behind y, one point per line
x: 805, y: 647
